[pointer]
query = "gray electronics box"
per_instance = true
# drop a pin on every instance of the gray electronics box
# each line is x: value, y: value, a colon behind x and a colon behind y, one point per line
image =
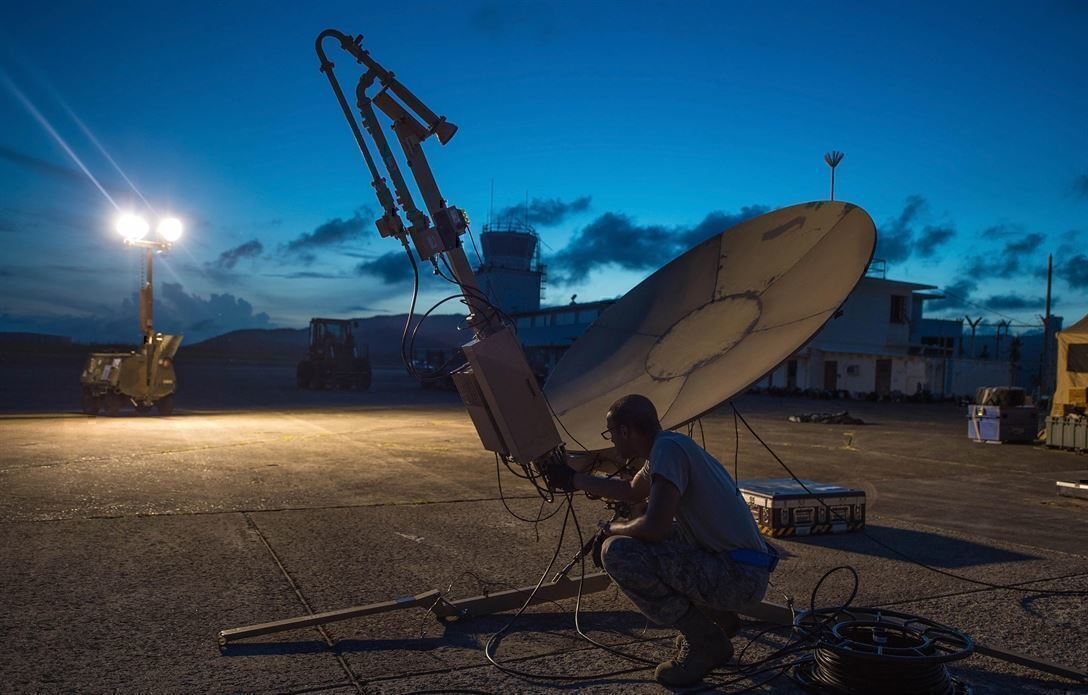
x: 996, y: 424
x: 504, y: 400
x: 1068, y: 432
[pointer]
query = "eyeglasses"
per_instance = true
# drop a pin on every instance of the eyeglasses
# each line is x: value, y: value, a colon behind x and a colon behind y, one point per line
x: 607, y: 434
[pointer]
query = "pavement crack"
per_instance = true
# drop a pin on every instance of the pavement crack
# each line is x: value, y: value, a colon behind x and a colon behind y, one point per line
x: 305, y: 604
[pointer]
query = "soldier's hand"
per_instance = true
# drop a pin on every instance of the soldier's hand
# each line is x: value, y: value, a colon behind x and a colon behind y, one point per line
x: 558, y: 476
x: 603, y: 532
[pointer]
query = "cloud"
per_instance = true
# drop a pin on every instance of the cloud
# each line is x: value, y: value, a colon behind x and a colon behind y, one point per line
x: 335, y: 231
x: 957, y: 296
x: 1014, y: 302
x: 1013, y: 258
x: 41, y: 166
x: 1080, y: 186
x: 499, y: 19
x: 1073, y: 269
x: 229, y: 258
x: 217, y: 314
x: 392, y: 268
x: 895, y: 242
x: 359, y: 309
x: 307, y: 275
x: 543, y: 212
x: 962, y: 296
x: 717, y: 222
x: 177, y: 312
x: 615, y: 239
x: 931, y: 239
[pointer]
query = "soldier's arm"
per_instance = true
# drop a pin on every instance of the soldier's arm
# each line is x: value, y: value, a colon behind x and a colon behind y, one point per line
x: 656, y: 524
x: 633, y: 491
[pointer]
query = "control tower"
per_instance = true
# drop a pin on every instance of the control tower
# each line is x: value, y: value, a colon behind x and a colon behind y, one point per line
x: 512, y: 274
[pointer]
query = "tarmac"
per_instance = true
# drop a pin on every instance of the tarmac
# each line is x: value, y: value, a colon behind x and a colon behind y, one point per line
x: 130, y: 542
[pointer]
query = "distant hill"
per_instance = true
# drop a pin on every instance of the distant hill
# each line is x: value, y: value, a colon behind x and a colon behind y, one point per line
x: 382, y: 334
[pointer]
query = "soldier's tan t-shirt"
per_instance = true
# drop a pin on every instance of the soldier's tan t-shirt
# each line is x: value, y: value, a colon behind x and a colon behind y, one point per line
x: 712, y: 513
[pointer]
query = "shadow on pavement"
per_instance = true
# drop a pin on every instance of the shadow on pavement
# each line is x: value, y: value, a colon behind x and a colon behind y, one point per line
x: 933, y: 549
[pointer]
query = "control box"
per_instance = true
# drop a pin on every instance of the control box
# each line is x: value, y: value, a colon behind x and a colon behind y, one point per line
x: 504, y: 400
x: 782, y: 507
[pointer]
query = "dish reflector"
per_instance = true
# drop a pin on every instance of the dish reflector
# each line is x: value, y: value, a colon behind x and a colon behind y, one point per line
x: 713, y: 321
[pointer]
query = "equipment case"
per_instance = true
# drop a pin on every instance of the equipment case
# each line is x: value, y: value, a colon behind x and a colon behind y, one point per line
x: 782, y: 507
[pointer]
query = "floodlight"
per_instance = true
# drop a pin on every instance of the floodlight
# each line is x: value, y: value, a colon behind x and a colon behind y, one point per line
x: 132, y: 226
x: 170, y: 228
x: 713, y: 321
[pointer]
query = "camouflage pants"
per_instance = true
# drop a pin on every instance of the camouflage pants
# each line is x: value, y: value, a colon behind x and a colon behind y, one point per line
x: 665, y: 579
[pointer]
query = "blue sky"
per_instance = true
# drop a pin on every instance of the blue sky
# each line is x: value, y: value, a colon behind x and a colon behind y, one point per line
x: 963, y: 126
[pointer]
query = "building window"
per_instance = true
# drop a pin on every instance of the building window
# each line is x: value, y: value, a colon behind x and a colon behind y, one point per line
x: 853, y: 370
x: 565, y: 318
x: 899, y: 309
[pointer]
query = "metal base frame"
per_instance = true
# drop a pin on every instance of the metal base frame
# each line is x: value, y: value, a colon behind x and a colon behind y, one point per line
x: 562, y: 588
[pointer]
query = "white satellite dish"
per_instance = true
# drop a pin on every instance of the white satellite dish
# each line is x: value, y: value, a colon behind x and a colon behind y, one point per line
x: 713, y: 321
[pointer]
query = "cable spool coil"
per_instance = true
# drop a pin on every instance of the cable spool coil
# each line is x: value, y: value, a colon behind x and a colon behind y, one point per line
x: 869, y: 650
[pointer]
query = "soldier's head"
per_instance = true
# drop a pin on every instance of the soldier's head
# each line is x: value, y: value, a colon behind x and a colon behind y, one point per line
x: 631, y: 424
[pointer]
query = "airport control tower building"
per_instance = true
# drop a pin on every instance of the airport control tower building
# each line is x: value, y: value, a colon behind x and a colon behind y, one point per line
x: 512, y: 274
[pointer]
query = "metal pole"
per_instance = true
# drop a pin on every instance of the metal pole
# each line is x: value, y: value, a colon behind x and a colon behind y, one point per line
x: 1044, y: 358
x: 148, y: 299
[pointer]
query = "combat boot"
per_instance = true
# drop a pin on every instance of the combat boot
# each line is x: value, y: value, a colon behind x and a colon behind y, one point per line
x: 705, y: 647
x: 728, y: 621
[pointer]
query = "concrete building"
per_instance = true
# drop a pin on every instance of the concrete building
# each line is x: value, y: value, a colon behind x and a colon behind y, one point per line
x: 866, y: 347
x: 881, y: 343
x: 547, y: 332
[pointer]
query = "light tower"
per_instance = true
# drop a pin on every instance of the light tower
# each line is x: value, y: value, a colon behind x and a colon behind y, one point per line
x: 134, y: 228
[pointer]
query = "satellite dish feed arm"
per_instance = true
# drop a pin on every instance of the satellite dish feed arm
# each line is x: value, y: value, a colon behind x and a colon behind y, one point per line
x: 417, y: 220
x: 498, y: 387
x: 390, y: 223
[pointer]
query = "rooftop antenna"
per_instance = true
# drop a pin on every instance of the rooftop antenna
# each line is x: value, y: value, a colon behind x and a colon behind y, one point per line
x: 491, y: 209
x: 833, y: 158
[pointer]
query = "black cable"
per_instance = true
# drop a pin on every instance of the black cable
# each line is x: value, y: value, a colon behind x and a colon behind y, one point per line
x: 832, y: 514
x: 578, y: 605
x: 492, y: 641
x: 736, y: 450
x: 411, y: 310
x: 502, y: 498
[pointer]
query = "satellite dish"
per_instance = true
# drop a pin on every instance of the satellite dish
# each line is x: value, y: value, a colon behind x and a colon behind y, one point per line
x: 713, y: 321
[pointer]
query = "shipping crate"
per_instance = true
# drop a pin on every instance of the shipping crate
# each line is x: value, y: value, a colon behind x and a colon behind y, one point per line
x: 782, y: 507
x: 995, y: 424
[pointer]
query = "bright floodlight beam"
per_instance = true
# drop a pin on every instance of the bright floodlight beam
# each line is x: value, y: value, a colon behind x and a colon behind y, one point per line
x: 132, y: 227
x: 170, y: 228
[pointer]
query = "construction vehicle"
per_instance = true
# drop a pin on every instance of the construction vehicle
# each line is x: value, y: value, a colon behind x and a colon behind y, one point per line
x: 143, y: 378
x: 333, y: 359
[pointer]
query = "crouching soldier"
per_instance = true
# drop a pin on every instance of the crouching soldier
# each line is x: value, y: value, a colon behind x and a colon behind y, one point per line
x: 695, y: 557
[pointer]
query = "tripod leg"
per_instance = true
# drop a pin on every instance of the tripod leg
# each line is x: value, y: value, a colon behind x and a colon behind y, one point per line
x: 236, y: 633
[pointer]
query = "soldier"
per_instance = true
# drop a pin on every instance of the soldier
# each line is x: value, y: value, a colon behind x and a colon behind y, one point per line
x: 695, y: 556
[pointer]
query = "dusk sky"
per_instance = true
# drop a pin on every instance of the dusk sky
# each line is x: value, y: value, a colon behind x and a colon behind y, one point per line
x: 631, y: 127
